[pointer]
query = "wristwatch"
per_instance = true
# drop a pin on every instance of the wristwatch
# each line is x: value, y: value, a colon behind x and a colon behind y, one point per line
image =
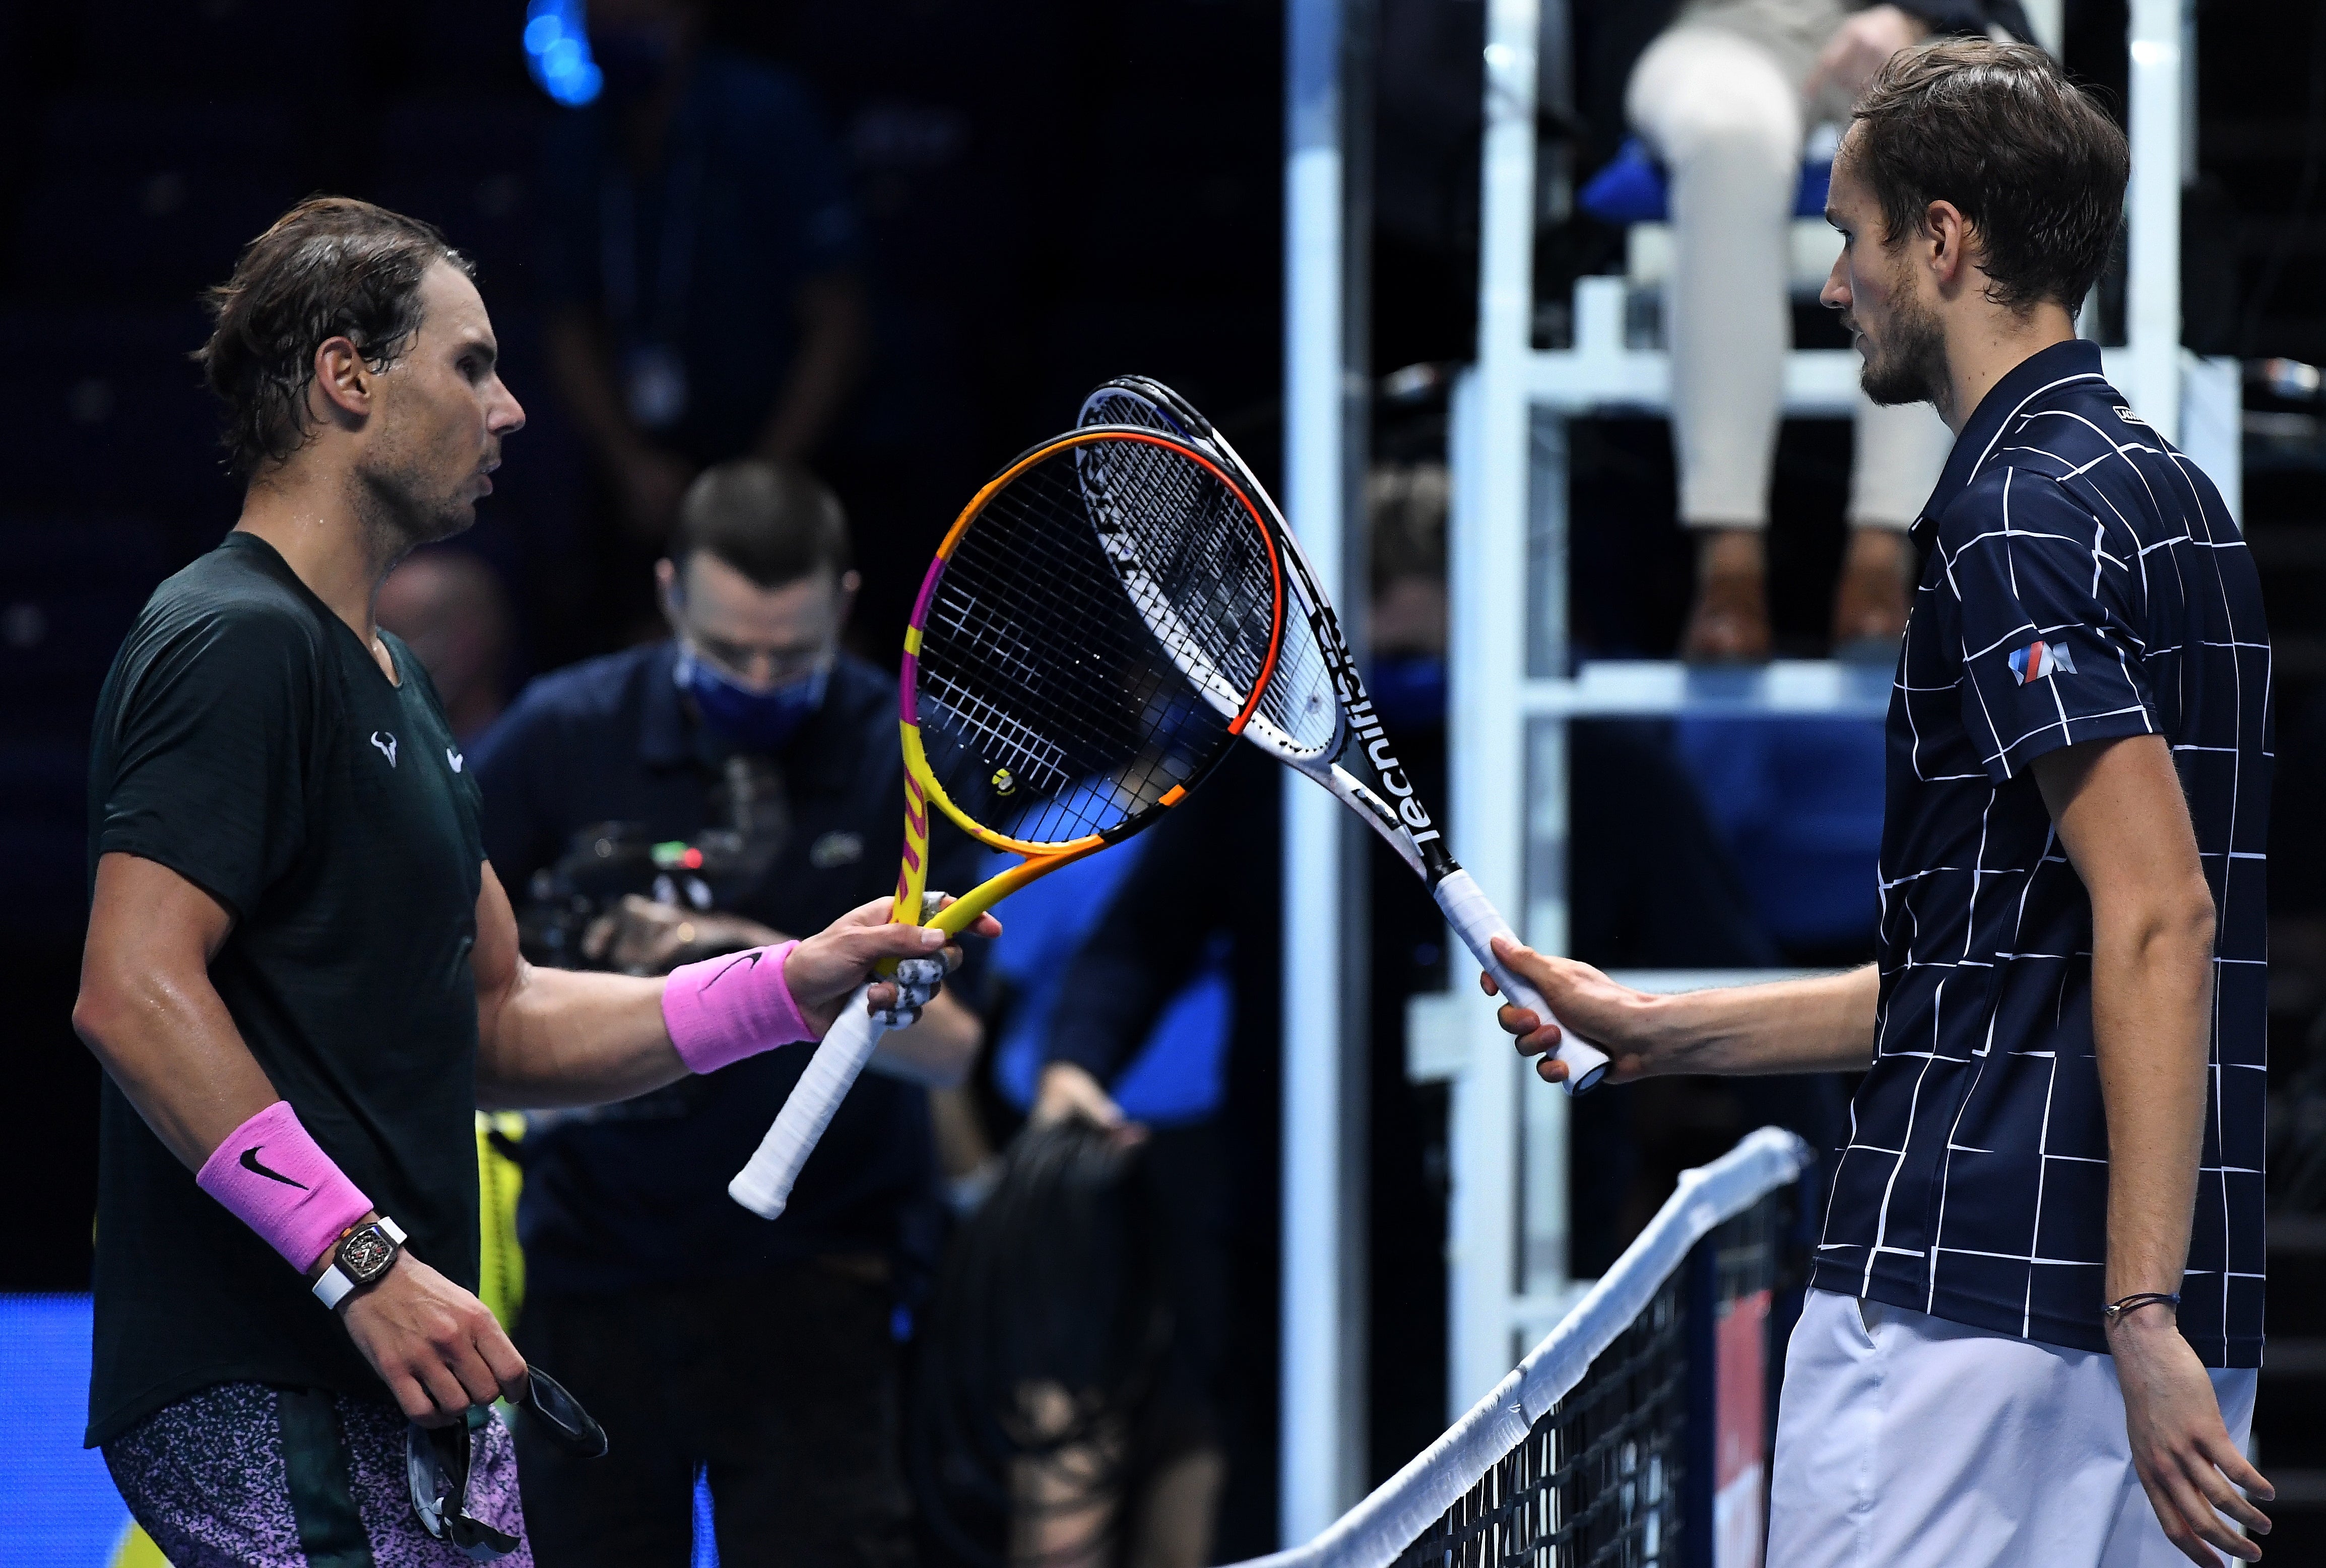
x: 363, y: 1255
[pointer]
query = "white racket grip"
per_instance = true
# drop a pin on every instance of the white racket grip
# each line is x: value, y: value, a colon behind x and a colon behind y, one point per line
x: 1477, y: 921
x: 765, y: 1185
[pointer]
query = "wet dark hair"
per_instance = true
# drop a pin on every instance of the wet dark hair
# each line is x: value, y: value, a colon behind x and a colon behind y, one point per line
x: 331, y: 267
x: 1056, y: 1280
x: 774, y: 522
x: 2032, y: 162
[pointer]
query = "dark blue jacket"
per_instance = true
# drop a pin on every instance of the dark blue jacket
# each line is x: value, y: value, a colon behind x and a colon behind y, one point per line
x: 640, y: 1197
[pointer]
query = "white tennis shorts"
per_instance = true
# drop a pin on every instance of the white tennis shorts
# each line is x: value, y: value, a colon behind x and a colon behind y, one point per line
x: 1905, y: 1440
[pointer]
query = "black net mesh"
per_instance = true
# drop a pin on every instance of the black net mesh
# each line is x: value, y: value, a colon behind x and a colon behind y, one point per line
x: 1048, y: 708
x: 1300, y: 704
x: 1603, y: 1480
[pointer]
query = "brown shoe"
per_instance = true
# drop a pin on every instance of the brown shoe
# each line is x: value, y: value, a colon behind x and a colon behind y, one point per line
x: 1729, y: 622
x: 1870, y: 599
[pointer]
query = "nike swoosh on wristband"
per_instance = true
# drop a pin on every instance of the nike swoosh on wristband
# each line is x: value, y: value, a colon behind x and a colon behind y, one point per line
x: 751, y: 958
x: 250, y: 1163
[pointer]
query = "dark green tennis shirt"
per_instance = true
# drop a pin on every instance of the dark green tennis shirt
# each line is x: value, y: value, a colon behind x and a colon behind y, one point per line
x: 247, y: 740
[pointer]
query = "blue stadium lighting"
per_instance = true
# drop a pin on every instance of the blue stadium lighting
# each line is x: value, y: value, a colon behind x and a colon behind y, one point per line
x: 557, y: 48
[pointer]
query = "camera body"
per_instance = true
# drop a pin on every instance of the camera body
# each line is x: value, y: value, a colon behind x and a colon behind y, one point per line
x: 610, y: 861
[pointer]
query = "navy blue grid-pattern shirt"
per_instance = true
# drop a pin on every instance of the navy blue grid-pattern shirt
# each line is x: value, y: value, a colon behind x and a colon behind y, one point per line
x: 2084, y: 582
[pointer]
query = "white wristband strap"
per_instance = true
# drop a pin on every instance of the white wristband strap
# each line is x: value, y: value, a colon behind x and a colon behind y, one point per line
x: 335, y: 1286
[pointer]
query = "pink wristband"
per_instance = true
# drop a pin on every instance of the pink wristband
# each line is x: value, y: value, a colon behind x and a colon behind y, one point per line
x: 272, y: 1177
x: 726, y: 1008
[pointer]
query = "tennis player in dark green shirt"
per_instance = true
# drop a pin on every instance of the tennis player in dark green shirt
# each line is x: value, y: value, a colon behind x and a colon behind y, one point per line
x: 302, y: 977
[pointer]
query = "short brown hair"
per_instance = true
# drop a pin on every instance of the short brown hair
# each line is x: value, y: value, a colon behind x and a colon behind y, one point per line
x: 331, y: 267
x: 774, y: 522
x: 2033, y: 164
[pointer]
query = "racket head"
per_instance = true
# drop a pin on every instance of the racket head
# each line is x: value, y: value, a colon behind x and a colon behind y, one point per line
x: 1300, y: 716
x: 1041, y: 709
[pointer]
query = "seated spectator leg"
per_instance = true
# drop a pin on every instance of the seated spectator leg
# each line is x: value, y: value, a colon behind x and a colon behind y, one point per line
x: 1900, y: 451
x: 1719, y: 111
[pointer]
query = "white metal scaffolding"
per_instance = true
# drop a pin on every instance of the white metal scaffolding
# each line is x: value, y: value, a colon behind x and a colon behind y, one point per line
x: 1513, y: 686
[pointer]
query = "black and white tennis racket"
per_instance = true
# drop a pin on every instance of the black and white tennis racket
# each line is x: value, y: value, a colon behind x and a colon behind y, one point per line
x: 1068, y: 677
x: 1315, y: 716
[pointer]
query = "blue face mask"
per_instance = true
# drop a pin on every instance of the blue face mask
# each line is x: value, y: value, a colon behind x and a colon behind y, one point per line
x: 755, y: 721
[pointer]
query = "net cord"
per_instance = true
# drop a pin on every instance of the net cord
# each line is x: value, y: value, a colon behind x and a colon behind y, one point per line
x: 1372, y: 1534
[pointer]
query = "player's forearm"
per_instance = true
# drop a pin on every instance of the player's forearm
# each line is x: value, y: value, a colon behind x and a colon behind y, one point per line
x: 1823, y: 1025
x: 148, y: 1012
x: 2152, y: 1001
x: 560, y: 1037
x: 1820, y: 1024
x: 169, y: 1044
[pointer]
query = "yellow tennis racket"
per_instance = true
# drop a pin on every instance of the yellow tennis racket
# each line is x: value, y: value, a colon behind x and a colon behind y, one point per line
x: 1090, y: 640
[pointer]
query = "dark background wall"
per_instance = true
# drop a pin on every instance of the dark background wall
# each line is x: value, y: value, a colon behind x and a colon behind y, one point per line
x: 1054, y: 194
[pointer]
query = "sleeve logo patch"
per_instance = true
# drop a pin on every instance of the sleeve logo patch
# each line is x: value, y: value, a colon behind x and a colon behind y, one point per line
x: 2039, y: 661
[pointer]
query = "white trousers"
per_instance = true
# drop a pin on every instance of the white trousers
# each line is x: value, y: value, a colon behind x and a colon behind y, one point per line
x: 1906, y: 1441
x: 1719, y: 111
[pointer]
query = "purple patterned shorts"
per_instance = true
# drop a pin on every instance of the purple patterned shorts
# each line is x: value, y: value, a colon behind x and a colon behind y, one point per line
x: 244, y: 1475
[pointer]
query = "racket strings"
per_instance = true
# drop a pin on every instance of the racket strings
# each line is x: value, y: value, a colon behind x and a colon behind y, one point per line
x: 1046, y: 708
x: 1192, y: 554
x: 1301, y: 703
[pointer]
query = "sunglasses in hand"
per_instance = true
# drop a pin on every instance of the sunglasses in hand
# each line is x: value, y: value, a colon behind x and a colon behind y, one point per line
x: 436, y: 1462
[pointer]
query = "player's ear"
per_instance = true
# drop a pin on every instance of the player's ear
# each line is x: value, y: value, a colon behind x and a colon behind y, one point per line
x: 849, y: 581
x: 341, y: 391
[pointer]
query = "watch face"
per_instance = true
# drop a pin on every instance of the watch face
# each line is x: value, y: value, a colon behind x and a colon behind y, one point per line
x: 365, y: 1254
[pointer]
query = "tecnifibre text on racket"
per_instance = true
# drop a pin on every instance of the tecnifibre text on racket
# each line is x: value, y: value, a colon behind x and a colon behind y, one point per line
x: 1040, y: 708
x: 1316, y: 718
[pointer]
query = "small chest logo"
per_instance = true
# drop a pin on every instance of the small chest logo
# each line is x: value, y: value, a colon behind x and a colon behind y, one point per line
x: 387, y: 743
x: 837, y: 849
x: 454, y: 757
x: 2040, y: 660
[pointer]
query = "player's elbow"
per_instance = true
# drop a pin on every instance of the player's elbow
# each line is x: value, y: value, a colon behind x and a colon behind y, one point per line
x: 103, y: 1006
x: 2165, y: 924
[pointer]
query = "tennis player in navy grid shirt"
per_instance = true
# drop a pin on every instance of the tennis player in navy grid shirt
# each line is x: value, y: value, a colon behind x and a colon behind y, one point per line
x: 2062, y: 1037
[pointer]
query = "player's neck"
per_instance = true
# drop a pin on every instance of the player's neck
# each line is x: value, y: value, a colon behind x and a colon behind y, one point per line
x: 1985, y: 345
x: 313, y: 522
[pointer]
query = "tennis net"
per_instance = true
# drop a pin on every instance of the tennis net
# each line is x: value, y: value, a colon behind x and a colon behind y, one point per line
x: 1635, y: 1434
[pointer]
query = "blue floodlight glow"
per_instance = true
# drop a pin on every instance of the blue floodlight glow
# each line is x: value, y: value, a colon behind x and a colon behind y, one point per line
x: 557, y: 51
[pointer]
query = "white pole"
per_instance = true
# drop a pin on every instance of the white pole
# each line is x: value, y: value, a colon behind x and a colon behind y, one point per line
x: 2048, y: 17
x: 1323, y: 1418
x: 2153, y: 254
x: 1484, y: 747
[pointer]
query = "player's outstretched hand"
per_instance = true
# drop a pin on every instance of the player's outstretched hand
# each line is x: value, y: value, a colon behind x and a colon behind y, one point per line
x: 437, y: 1347
x: 1620, y: 1021
x: 826, y: 967
x: 2181, y: 1449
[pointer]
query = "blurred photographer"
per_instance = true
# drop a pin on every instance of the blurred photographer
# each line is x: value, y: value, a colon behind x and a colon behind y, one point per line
x: 664, y: 804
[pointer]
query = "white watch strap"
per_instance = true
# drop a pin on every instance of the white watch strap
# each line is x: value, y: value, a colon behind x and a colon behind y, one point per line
x: 335, y: 1286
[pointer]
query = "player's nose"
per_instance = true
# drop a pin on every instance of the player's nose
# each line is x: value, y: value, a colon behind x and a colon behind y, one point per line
x: 1834, y: 295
